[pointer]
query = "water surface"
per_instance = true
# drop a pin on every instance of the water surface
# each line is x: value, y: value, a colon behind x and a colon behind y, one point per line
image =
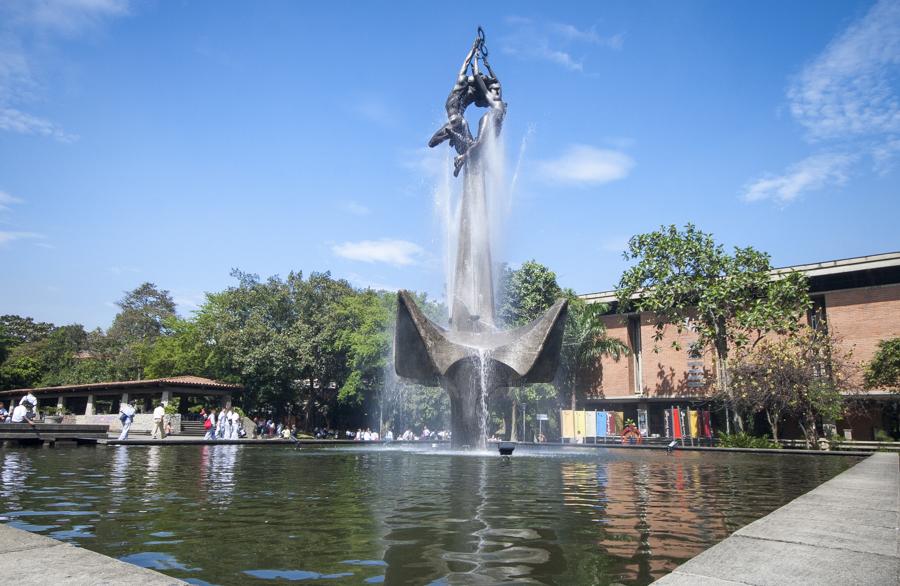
x: 267, y: 515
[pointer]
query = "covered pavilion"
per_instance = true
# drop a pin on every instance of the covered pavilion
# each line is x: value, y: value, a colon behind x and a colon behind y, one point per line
x: 105, y: 397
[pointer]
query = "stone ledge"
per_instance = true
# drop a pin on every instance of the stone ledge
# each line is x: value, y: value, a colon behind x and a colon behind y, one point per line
x: 842, y: 532
x: 30, y: 559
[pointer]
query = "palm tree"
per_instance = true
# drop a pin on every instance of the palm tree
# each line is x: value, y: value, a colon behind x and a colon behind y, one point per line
x: 585, y: 342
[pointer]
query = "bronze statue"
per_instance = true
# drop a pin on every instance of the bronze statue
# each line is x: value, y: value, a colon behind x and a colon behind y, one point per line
x: 482, y: 90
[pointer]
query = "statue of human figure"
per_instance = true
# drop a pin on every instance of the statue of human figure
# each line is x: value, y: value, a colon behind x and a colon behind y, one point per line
x: 456, y: 130
x: 489, y: 94
x: 481, y: 89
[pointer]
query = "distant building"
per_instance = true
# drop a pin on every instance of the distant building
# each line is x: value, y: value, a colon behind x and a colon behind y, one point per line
x: 103, y: 398
x: 859, y: 298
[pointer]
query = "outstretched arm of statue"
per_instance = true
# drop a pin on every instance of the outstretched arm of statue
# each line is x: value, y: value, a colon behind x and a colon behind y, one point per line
x: 465, y: 65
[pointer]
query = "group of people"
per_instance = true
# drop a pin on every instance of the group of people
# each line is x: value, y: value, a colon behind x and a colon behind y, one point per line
x: 24, y: 412
x: 224, y: 425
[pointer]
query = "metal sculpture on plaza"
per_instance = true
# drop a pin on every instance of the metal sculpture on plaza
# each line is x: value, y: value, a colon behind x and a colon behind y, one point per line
x: 474, y: 357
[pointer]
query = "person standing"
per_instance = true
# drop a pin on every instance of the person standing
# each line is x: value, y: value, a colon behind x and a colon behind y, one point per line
x: 235, y: 420
x: 210, y: 425
x: 159, y: 414
x: 126, y: 416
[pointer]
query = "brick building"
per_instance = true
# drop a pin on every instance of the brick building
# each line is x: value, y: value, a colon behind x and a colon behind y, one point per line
x: 858, y: 297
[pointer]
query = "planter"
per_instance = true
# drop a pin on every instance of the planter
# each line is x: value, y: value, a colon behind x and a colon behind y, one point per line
x: 56, y: 419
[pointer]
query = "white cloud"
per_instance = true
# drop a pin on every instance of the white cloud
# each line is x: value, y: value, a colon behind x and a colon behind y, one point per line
x: 17, y: 121
x: 374, y: 109
x: 7, y: 237
x: 810, y: 174
x: 586, y: 165
x: 355, y: 208
x: 366, y: 283
x: 117, y: 270
x: 847, y: 101
x: 30, y: 29
x: 7, y: 200
x: 851, y: 88
x: 554, y: 42
x: 394, y: 252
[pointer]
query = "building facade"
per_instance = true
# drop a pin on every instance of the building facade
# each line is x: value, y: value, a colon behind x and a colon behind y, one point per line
x: 858, y: 298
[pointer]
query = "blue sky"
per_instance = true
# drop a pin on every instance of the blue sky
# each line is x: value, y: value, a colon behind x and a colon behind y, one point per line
x: 170, y: 141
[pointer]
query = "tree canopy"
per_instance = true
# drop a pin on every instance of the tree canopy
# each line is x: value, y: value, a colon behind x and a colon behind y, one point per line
x: 687, y: 280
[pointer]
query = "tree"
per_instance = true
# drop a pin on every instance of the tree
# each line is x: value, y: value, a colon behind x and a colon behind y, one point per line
x: 884, y: 369
x: 526, y: 293
x: 799, y: 375
x: 142, y: 319
x: 684, y: 279
x: 585, y: 342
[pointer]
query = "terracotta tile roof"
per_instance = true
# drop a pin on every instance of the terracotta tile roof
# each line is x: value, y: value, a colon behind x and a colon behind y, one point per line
x: 187, y: 381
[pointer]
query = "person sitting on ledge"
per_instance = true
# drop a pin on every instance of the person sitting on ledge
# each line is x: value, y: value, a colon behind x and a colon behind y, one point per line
x: 20, y: 413
x: 4, y: 414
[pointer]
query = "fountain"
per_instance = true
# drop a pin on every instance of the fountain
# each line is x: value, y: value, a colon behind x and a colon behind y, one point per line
x: 474, y: 356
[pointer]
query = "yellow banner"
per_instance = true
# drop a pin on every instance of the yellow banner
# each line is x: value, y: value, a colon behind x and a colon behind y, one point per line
x: 579, y: 423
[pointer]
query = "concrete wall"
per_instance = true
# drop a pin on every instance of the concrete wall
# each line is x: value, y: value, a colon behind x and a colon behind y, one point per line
x: 142, y: 422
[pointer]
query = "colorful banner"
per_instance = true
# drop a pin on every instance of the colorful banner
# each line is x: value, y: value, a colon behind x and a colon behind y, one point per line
x: 602, y: 423
x: 568, y: 423
x: 590, y: 424
x: 579, y: 424
x: 694, y: 424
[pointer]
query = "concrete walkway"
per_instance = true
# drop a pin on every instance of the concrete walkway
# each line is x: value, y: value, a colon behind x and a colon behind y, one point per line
x: 843, y: 532
x: 30, y: 559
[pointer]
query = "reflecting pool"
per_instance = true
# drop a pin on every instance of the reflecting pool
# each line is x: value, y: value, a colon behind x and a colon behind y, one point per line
x: 363, y: 515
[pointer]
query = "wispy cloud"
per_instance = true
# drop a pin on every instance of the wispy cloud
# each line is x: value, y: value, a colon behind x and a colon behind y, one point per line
x: 7, y: 237
x: 7, y: 200
x: 366, y: 283
x: 554, y: 42
x: 374, y: 109
x: 586, y: 165
x: 29, y: 29
x: 846, y: 100
x: 810, y: 174
x: 117, y: 270
x: 355, y: 208
x: 394, y: 252
x: 850, y: 88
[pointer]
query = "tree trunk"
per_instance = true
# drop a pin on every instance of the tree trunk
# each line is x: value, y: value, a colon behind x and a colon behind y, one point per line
x: 574, y: 390
x: 773, y: 423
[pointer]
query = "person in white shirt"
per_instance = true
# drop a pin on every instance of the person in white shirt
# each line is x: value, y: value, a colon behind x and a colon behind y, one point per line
x: 126, y: 415
x: 159, y: 414
x: 20, y: 414
x: 29, y: 398
x: 235, y: 421
x: 220, y: 423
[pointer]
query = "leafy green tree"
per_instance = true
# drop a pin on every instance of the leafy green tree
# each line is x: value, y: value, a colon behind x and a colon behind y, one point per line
x: 22, y: 330
x: 526, y: 293
x: 884, y: 369
x: 685, y: 279
x: 142, y: 319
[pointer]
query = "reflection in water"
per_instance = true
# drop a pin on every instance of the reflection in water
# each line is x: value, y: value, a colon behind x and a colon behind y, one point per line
x: 239, y: 515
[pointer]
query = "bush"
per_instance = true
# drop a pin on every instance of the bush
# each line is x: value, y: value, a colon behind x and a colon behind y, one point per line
x: 745, y: 440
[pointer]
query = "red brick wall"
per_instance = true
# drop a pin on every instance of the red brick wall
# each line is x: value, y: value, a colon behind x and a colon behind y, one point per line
x: 613, y: 379
x: 861, y: 318
x: 665, y: 369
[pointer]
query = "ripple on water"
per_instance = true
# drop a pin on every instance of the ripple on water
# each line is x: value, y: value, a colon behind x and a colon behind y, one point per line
x: 294, y: 575
x: 156, y: 560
